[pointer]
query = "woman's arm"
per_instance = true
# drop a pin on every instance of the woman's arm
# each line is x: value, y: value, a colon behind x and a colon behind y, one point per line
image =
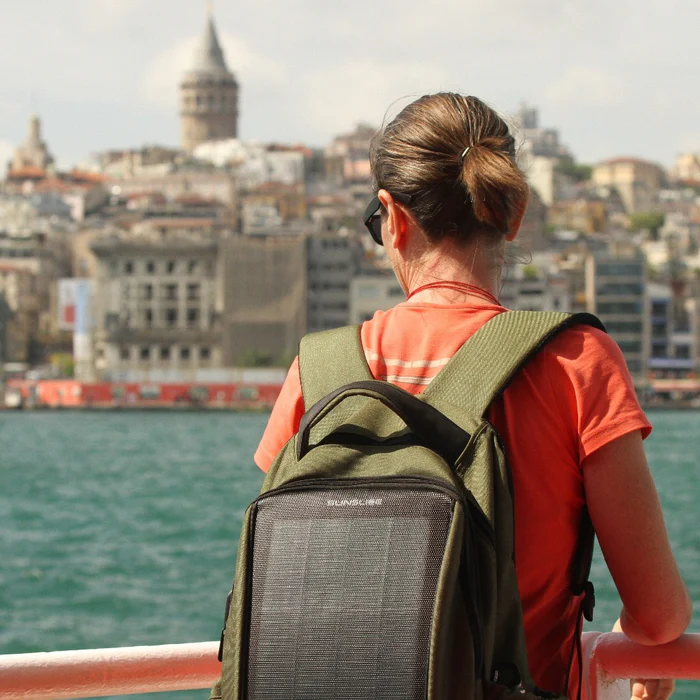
x: 628, y: 520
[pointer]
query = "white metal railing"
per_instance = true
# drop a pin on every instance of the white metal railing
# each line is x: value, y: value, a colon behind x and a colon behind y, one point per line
x: 101, y: 672
x: 149, y: 669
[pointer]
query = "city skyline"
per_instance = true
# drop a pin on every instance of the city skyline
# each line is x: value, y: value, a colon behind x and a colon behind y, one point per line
x: 104, y: 73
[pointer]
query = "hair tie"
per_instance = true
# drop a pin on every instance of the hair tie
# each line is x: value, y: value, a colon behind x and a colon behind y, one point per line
x: 464, y: 154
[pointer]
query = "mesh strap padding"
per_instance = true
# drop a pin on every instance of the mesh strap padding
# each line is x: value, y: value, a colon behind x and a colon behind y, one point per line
x: 343, y: 589
x: 329, y: 359
x: 482, y: 368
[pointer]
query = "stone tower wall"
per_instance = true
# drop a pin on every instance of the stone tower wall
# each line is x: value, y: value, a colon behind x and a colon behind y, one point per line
x: 208, y: 110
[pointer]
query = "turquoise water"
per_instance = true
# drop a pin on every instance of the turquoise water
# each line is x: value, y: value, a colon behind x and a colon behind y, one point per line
x: 120, y: 529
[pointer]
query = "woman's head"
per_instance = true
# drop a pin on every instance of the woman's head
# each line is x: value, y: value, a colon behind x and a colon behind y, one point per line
x: 455, y: 158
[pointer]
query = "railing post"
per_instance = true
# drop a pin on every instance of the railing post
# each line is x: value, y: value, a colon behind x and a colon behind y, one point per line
x: 596, y: 684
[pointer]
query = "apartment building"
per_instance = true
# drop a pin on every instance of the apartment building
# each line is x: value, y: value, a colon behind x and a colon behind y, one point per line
x: 331, y: 263
x: 673, y: 337
x: 615, y: 292
x: 156, y: 306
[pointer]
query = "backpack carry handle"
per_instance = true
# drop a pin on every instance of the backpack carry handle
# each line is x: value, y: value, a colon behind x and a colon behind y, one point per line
x: 433, y: 429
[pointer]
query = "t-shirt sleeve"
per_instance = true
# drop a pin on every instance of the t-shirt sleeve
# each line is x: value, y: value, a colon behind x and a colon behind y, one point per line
x: 284, y: 419
x: 602, y: 394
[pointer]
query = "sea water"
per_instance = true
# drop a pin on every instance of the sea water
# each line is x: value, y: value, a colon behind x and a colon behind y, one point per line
x: 120, y: 529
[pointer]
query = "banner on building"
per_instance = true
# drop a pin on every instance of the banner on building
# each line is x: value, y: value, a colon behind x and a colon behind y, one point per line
x: 74, y: 305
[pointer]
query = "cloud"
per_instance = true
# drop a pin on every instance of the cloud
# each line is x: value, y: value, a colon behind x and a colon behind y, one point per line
x: 107, y: 16
x: 164, y: 71
x: 587, y: 85
x: 333, y: 96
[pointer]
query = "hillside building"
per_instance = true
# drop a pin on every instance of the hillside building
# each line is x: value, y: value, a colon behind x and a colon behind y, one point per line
x: 638, y: 182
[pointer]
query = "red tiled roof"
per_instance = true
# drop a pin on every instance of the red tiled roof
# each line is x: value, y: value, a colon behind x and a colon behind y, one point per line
x: 14, y: 268
x: 85, y: 176
x: 628, y: 159
x: 29, y: 172
x: 56, y: 184
x: 196, y: 199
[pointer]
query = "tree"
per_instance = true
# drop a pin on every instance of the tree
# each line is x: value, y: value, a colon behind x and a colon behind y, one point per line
x: 578, y: 172
x: 650, y: 221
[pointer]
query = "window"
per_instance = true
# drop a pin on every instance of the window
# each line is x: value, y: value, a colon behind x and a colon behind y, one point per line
x: 612, y: 307
x: 171, y: 318
x: 199, y: 393
x: 165, y: 352
x: 171, y: 292
x: 247, y: 393
x: 682, y: 352
x: 147, y: 292
x: 615, y: 288
x: 634, y: 366
x: 620, y: 269
x: 150, y: 392
x: 148, y: 318
x: 204, y: 353
x: 191, y: 267
x: 193, y: 292
x: 192, y: 317
x: 616, y: 327
x: 395, y: 291
x: 658, y: 308
x: 124, y: 353
x: 633, y: 346
x: 128, y: 267
x: 184, y: 353
x: 170, y: 267
x: 145, y: 353
x: 150, y: 267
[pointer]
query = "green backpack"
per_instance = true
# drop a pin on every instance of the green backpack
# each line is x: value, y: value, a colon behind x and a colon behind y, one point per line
x: 378, y: 560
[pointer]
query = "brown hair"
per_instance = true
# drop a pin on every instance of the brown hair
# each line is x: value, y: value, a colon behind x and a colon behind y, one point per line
x: 420, y: 153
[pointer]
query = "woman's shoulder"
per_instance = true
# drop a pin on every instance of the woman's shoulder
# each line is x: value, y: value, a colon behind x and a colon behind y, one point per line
x: 583, y: 346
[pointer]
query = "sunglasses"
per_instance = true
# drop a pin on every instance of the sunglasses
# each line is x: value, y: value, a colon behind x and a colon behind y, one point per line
x: 372, y: 218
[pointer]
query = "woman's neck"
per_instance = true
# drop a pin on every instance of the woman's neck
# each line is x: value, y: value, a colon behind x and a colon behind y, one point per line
x: 476, y: 266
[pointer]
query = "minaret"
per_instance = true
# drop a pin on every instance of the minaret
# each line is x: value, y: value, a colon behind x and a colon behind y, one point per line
x: 208, y: 94
x: 33, y: 152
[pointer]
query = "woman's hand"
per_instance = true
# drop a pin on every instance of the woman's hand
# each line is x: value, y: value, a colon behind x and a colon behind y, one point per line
x: 649, y: 688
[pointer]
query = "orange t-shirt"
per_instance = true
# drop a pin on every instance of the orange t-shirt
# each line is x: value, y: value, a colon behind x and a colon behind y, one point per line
x: 572, y: 398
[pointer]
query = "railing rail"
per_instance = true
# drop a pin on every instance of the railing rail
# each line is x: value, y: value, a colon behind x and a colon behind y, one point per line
x: 101, y: 672
x: 172, y: 667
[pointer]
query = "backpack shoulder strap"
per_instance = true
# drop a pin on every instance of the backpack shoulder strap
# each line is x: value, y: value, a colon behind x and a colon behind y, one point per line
x: 482, y: 368
x: 330, y: 359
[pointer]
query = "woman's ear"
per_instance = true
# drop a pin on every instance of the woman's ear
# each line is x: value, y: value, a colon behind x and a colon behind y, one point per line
x: 517, y: 220
x: 396, y: 221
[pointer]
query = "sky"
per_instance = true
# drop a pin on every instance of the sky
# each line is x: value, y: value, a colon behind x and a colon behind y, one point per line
x: 616, y: 78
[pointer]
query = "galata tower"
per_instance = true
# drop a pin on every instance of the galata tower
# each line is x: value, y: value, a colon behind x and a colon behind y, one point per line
x: 208, y: 94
